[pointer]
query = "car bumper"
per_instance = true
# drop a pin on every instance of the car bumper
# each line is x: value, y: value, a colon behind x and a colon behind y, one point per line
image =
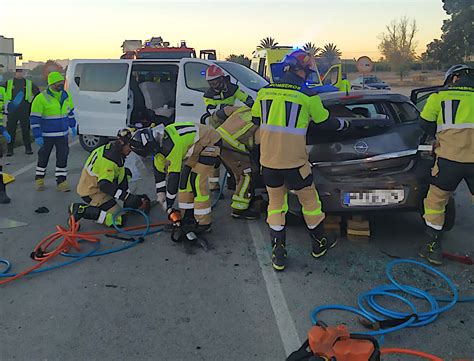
x: 414, y: 183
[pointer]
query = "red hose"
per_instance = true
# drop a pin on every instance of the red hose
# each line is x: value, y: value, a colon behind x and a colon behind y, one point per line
x: 425, y: 355
x: 70, y: 238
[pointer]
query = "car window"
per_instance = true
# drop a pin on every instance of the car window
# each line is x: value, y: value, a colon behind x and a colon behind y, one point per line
x: 244, y: 75
x: 363, y: 110
x: 101, y: 77
x: 195, y: 76
x: 405, y: 112
x: 331, y: 77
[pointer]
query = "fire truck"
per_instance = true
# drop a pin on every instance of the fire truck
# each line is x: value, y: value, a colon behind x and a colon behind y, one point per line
x: 156, y: 48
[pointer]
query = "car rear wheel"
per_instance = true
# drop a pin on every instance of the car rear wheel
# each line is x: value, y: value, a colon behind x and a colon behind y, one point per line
x: 90, y: 142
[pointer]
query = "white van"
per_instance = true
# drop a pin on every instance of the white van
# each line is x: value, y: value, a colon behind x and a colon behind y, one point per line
x: 110, y: 94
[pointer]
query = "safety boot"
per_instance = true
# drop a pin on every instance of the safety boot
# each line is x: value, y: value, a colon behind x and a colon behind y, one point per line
x: 4, y: 198
x: 63, y: 187
x: 39, y: 184
x: 279, y: 254
x: 83, y: 210
x: 245, y: 214
x: 321, y: 241
x: 432, y: 250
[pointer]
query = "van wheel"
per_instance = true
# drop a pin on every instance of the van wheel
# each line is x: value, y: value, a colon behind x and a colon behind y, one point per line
x: 90, y: 142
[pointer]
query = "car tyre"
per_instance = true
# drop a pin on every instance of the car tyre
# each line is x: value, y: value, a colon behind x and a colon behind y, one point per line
x: 91, y: 142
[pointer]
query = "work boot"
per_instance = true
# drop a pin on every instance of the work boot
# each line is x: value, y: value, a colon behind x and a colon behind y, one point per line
x: 321, y: 241
x: 245, y: 214
x: 432, y: 250
x: 39, y: 184
x: 63, y: 187
x: 202, y: 228
x: 4, y: 198
x: 83, y: 210
x: 279, y: 254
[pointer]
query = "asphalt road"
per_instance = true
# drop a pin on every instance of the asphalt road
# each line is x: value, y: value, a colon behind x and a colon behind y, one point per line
x: 156, y: 302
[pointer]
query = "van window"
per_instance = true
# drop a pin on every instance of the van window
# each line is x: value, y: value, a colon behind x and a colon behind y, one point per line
x: 101, y: 77
x: 244, y: 75
x: 195, y: 76
x: 261, y: 67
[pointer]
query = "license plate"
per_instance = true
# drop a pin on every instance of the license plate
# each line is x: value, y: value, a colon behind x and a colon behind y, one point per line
x: 375, y: 197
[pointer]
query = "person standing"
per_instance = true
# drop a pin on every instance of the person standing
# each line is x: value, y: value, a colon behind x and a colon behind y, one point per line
x: 20, y: 92
x: 449, y: 115
x: 284, y: 110
x: 3, y: 195
x: 52, y: 114
x: 220, y: 100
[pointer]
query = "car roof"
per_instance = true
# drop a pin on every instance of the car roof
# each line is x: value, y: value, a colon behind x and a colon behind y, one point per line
x: 362, y: 96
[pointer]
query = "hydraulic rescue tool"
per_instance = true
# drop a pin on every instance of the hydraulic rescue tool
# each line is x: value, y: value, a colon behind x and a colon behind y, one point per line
x: 336, y: 344
x: 185, y: 231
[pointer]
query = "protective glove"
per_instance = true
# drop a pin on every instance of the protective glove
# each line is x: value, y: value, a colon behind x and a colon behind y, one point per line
x: 146, y: 203
x: 7, y: 136
x: 74, y: 132
x: 132, y: 201
x: 39, y: 141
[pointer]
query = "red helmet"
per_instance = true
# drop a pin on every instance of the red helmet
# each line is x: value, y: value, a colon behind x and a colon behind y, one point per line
x: 299, y: 60
x: 214, y: 72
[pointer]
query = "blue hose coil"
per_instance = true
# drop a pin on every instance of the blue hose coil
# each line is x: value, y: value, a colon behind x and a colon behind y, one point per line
x: 372, y: 311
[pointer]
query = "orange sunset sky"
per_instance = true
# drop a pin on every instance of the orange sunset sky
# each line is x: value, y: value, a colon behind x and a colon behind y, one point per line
x: 52, y: 29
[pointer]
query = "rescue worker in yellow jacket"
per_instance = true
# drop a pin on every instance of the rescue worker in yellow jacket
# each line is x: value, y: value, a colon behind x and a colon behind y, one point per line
x: 345, y: 85
x: 3, y: 104
x: 104, y: 181
x: 238, y: 133
x: 185, y: 154
x: 220, y: 100
x: 284, y: 111
x: 449, y: 115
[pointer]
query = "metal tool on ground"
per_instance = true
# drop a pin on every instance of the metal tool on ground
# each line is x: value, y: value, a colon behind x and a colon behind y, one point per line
x: 186, y: 231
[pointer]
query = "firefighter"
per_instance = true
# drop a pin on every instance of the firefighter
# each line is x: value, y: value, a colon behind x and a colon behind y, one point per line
x: 52, y: 114
x: 3, y: 195
x: 186, y: 154
x: 104, y: 181
x: 220, y: 101
x: 284, y: 111
x: 20, y: 93
x: 345, y: 85
x: 238, y: 134
x: 449, y: 115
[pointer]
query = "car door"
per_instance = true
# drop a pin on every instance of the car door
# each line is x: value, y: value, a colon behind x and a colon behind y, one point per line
x: 99, y: 90
x: 333, y: 76
x: 191, y: 87
x: 420, y: 96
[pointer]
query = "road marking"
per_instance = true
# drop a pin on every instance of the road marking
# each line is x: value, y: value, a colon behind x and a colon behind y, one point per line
x: 286, y: 325
x: 27, y: 167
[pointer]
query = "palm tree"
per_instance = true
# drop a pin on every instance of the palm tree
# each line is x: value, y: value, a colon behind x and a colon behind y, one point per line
x: 267, y: 43
x: 312, y: 49
x: 330, y: 53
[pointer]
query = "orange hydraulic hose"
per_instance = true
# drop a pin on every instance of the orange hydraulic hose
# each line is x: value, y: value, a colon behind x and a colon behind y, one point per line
x: 70, y: 237
x: 425, y: 355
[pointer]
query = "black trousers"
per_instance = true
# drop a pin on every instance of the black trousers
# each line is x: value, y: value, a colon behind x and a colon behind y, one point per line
x: 24, y: 118
x: 452, y: 173
x: 62, y: 152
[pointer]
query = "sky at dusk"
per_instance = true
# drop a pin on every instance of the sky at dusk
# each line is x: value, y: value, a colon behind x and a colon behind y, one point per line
x: 52, y: 29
